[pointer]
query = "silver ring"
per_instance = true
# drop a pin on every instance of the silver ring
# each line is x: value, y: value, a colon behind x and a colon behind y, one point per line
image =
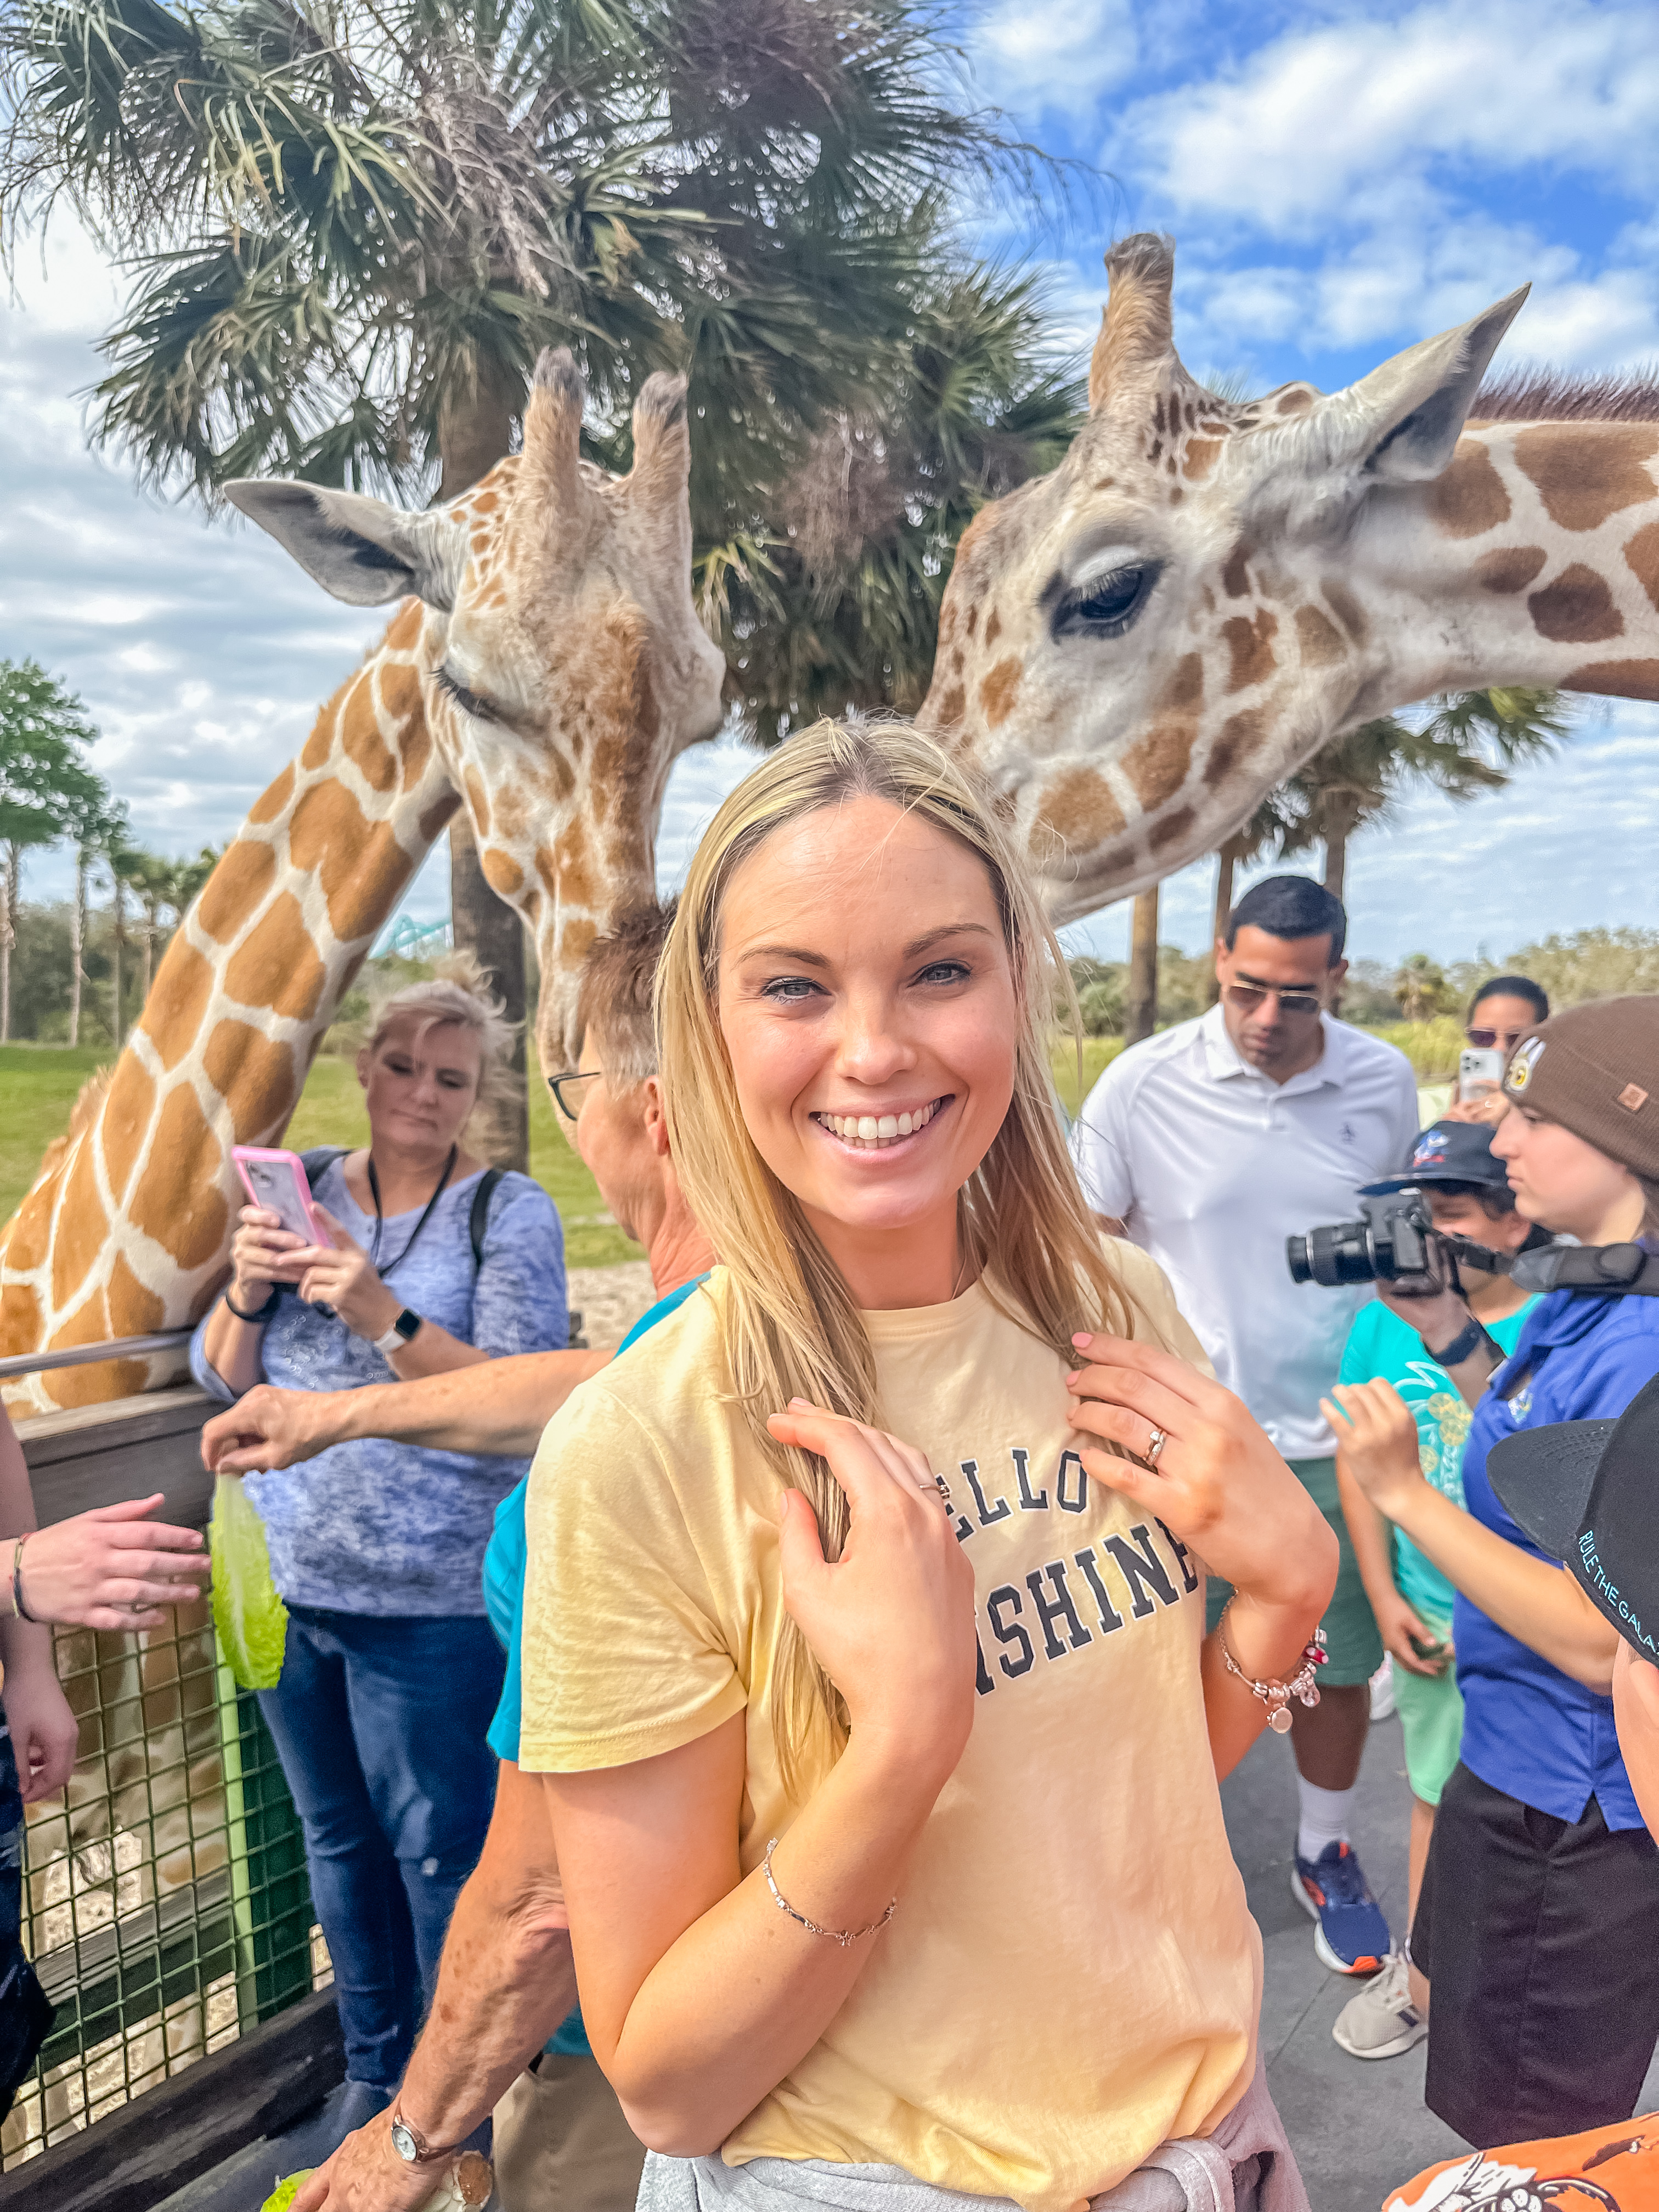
x: 934, y: 1482
x: 1155, y: 1444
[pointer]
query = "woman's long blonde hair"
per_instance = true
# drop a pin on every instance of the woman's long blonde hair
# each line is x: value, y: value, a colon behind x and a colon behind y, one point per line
x: 791, y: 1327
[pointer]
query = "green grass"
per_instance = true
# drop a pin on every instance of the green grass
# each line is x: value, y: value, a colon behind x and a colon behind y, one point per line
x: 38, y: 1088
x: 1098, y: 1053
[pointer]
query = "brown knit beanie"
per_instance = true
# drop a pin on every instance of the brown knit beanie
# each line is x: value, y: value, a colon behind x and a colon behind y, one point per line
x: 1595, y: 1069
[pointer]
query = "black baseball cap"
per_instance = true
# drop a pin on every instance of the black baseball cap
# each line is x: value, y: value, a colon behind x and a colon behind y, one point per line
x: 1447, y: 1152
x: 1585, y: 1491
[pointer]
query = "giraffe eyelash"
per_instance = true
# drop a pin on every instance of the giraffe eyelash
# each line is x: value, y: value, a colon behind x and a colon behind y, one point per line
x: 1105, y: 605
x: 468, y: 701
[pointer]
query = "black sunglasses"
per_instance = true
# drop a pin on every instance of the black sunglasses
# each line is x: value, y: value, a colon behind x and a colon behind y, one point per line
x: 1483, y: 1040
x: 557, y: 1085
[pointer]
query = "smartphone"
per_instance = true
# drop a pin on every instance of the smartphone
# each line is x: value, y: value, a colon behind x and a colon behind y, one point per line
x: 1478, y: 1070
x: 276, y: 1181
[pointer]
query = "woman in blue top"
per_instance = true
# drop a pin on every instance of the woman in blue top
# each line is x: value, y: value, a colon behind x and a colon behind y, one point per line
x: 390, y: 1674
x: 1539, y: 1919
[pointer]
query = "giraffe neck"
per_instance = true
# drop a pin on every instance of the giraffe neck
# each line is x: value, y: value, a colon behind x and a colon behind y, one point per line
x: 126, y: 1228
x: 1533, y: 559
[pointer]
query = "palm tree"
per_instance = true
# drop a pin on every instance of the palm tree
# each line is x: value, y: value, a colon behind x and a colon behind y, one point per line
x: 1470, y: 744
x: 48, y: 790
x: 353, y: 223
x: 154, y: 881
x: 829, y: 599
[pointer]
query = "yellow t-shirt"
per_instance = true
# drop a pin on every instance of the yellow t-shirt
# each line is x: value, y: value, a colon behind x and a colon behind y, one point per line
x: 1072, y: 1977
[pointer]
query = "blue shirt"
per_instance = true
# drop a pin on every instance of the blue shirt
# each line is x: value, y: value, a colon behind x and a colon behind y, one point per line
x: 1529, y: 1730
x: 392, y: 1530
x: 503, y: 1591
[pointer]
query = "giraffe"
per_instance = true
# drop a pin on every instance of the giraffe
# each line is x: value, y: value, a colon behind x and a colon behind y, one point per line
x: 545, y: 667
x: 1134, y: 649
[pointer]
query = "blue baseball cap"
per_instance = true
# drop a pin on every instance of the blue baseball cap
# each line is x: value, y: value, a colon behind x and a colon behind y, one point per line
x: 1447, y: 1152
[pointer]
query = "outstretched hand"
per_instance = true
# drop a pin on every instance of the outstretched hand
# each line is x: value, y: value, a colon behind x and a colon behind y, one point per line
x: 1217, y: 1482
x: 892, y: 1619
x: 1376, y: 1435
x: 112, y: 1568
x: 367, y: 2175
x: 267, y: 1428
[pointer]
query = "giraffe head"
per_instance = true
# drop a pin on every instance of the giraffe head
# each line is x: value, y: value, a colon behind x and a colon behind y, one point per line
x: 1137, y: 647
x: 563, y: 667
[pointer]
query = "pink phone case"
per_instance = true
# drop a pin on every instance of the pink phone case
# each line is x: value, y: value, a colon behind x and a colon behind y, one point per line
x: 297, y: 1198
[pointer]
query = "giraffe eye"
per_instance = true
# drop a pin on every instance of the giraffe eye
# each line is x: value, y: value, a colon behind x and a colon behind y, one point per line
x: 1106, y: 605
x: 468, y: 701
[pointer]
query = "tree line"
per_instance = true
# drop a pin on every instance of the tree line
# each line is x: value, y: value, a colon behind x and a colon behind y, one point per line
x: 51, y: 795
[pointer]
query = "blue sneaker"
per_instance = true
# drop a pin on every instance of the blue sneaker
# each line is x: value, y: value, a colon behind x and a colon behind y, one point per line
x: 1350, y: 1934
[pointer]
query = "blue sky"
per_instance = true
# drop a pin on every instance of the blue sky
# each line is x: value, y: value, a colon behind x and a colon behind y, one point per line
x: 1342, y: 182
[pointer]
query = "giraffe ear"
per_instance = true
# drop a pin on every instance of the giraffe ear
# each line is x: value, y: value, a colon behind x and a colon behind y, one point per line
x: 360, y: 550
x: 1400, y: 423
x: 662, y: 442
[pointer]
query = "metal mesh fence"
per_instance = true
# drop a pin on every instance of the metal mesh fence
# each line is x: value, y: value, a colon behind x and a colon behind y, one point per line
x: 166, y: 1905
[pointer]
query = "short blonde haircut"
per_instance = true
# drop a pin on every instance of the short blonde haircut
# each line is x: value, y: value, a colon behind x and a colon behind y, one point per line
x: 791, y: 1327
x: 460, y: 992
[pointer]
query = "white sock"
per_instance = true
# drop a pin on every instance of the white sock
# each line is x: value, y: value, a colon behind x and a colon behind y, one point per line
x: 1324, y: 1818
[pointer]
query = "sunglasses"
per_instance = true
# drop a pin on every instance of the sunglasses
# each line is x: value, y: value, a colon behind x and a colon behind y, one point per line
x: 1483, y: 1040
x: 1294, y: 1006
x: 560, y: 1085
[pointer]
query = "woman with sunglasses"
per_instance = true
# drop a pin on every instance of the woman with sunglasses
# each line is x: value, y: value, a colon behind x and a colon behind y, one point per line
x: 1502, y: 1010
x: 390, y: 1674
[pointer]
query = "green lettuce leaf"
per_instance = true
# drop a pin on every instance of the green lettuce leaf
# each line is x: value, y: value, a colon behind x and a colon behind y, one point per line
x: 250, y: 1617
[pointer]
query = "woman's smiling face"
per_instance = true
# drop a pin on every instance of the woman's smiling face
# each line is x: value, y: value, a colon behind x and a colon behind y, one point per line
x: 867, y: 1002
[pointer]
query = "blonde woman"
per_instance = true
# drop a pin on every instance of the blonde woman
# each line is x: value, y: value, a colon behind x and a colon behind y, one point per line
x: 887, y: 1818
x: 391, y: 1673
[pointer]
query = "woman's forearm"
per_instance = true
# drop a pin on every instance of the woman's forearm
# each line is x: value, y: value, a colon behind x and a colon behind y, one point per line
x: 1538, y: 1604
x: 433, y: 1351
x: 730, y: 2002
x: 234, y: 1349
x: 1266, y: 1642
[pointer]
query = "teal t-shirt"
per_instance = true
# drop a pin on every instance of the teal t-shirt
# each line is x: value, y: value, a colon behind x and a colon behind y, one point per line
x: 1380, y: 1347
x: 503, y: 1589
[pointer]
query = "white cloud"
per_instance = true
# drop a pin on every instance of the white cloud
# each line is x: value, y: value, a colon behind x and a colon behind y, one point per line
x: 1360, y: 109
x: 1055, y: 56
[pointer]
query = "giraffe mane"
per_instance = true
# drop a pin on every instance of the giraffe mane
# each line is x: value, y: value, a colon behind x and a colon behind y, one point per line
x: 1553, y: 395
x: 88, y: 1103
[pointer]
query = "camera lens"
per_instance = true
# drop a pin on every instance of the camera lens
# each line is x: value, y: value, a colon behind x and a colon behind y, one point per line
x: 1332, y: 1256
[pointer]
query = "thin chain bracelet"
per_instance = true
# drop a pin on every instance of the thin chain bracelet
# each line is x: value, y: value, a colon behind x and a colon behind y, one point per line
x: 1277, y: 1695
x: 844, y: 1936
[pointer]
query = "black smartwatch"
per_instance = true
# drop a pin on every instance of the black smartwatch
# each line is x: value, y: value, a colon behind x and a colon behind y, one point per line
x: 1465, y: 1345
x: 405, y: 1327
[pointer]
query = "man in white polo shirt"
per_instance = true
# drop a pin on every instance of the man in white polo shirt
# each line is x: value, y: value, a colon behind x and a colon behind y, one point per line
x: 1208, y: 1145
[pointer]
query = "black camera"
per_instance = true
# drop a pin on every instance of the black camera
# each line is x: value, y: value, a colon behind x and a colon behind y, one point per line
x: 1390, y: 1243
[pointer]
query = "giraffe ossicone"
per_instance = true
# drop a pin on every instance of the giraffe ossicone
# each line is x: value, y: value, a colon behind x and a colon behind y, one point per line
x: 545, y: 668
x: 1134, y: 649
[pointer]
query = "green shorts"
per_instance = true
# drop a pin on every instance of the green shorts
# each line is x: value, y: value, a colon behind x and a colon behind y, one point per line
x: 1430, y: 1709
x: 1352, y: 1641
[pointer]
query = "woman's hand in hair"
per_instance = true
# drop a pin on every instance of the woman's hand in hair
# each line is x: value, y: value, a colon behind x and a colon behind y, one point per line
x: 892, y: 1619
x: 1217, y: 1482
